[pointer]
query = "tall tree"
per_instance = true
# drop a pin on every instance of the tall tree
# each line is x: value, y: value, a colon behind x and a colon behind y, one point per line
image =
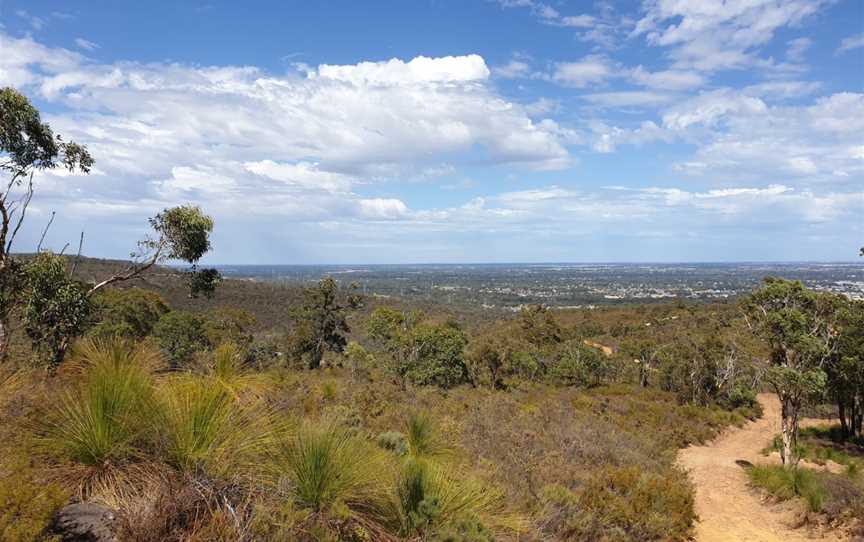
x: 27, y: 145
x: 846, y: 368
x: 797, y: 324
x: 320, y: 323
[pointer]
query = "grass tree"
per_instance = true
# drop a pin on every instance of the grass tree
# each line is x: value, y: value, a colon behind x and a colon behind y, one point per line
x: 797, y: 325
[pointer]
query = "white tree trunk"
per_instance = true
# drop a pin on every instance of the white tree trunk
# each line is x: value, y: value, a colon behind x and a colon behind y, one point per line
x: 789, y: 432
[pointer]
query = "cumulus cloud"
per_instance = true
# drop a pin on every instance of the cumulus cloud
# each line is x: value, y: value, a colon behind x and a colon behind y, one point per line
x: 712, y: 36
x: 746, y: 137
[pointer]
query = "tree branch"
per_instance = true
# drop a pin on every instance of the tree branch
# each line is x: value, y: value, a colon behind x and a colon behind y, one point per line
x: 130, y: 272
x: 45, y: 232
x: 25, y: 202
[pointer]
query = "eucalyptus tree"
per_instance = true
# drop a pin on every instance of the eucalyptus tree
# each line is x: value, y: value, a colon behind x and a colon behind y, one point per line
x: 798, y: 325
x: 27, y: 146
x: 320, y: 324
x: 55, y: 305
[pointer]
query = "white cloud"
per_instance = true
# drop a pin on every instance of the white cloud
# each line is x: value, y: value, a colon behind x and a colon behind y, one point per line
x: 708, y: 108
x: 302, y: 174
x: 667, y: 79
x: 745, y: 137
x: 396, y: 72
x: 629, y: 98
x: 590, y: 70
x: 382, y: 208
x: 37, y: 23
x: 796, y: 48
x: 512, y: 70
x: 711, y: 36
x: 86, y: 44
x: 855, y: 41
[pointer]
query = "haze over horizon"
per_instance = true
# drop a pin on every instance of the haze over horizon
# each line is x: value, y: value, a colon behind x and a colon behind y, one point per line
x: 508, y: 131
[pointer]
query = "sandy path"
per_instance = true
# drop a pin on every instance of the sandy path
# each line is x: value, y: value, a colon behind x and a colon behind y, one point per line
x: 728, y: 509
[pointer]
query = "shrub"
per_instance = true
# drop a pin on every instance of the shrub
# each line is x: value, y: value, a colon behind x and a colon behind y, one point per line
x: 785, y: 483
x: 179, y: 335
x: 102, y: 420
x: 626, y: 503
x: 579, y: 365
x: 130, y: 313
x: 431, y: 497
x: 440, y: 360
x: 329, y: 467
x: 27, y: 504
x: 393, y: 441
x: 202, y: 427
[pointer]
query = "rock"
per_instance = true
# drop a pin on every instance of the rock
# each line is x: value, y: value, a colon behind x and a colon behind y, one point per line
x: 85, y: 522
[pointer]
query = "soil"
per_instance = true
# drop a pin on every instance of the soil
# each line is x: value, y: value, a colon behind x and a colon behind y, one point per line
x: 728, y: 508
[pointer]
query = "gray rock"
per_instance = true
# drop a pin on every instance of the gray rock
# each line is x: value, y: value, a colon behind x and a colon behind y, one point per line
x: 85, y: 522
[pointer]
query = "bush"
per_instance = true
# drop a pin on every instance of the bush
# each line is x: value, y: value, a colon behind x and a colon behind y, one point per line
x: 27, y: 504
x: 201, y: 426
x: 329, y: 467
x: 129, y: 313
x: 785, y: 483
x: 180, y: 334
x: 626, y: 503
x: 102, y: 420
x: 581, y: 366
x: 440, y: 361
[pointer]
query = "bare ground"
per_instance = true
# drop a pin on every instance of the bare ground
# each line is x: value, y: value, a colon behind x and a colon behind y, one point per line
x: 728, y: 508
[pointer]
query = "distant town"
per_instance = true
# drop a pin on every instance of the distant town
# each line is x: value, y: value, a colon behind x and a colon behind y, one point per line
x: 510, y: 286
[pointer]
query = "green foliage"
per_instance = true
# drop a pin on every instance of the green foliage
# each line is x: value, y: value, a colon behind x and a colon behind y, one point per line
x: 845, y: 368
x: 421, y: 352
x: 579, y: 365
x: 320, y: 323
x: 102, y: 420
x: 393, y: 441
x: 439, y: 358
x: 539, y: 326
x: 184, y: 231
x: 359, y: 360
x: 797, y: 324
x: 229, y: 324
x: 202, y: 428
x: 180, y: 334
x: 57, y: 306
x: 785, y: 483
x: 330, y: 467
x: 131, y: 313
x: 625, y: 504
x: 29, y: 143
x: 27, y: 504
x: 498, y: 357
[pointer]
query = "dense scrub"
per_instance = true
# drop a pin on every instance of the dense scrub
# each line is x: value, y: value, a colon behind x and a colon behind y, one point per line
x: 226, y: 453
x: 350, y: 419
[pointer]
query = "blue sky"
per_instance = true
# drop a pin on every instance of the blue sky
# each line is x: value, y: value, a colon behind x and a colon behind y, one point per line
x: 454, y: 131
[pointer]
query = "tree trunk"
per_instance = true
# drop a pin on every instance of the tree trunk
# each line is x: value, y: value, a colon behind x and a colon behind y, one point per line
x: 643, y: 374
x: 789, y: 432
x: 59, y: 354
x: 841, y: 413
x: 858, y: 415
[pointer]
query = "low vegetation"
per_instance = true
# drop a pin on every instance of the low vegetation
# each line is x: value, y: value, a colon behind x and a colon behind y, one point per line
x: 264, y: 412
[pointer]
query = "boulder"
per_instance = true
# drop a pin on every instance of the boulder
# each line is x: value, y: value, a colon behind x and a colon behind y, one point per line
x: 85, y: 522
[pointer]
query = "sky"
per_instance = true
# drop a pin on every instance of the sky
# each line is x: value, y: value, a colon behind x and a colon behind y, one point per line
x: 447, y: 131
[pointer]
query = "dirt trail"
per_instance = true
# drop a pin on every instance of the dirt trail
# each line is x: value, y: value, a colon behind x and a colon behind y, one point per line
x: 728, y: 509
